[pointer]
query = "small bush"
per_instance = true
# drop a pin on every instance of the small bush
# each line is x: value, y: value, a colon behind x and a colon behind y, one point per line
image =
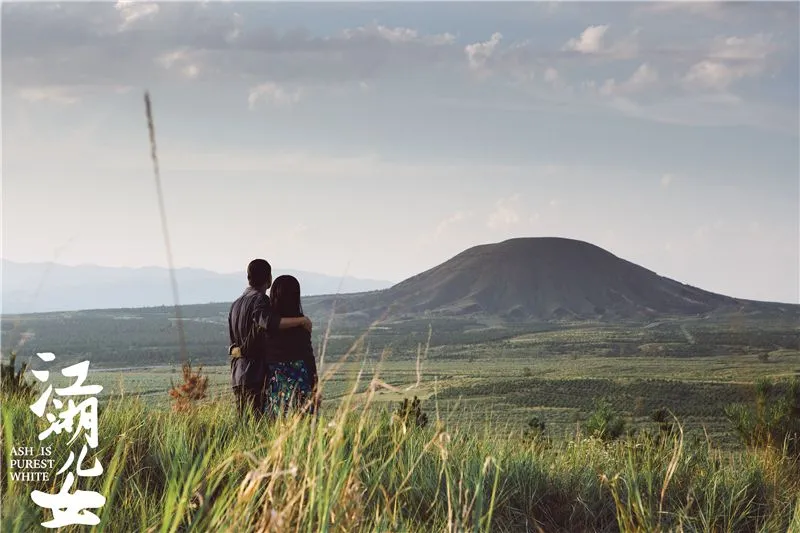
x: 192, y: 390
x: 604, y: 422
x: 773, y: 419
x: 410, y: 414
x: 534, y: 429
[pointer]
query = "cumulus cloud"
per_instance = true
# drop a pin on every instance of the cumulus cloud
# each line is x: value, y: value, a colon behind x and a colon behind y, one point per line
x: 716, y: 75
x: 181, y: 60
x: 168, y: 59
x: 730, y: 59
x: 643, y: 77
x: 273, y: 94
x: 398, y: 35
x: 754, y: 47
x: 81, y: 44
x: 131, y: 11
x: 44, y: 46
x: 592, y: 41
x: 443, y: 229
x: 589, y: 42
x: 666, y: 180
x: 448, y: 222
x: 553, y: 78
x: 479, y: 53
x: 505, y: 213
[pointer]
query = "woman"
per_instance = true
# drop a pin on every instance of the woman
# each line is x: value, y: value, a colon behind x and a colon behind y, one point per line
x: 293, y: 382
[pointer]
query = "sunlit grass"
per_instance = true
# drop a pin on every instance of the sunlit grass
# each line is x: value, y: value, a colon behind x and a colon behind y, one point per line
x: 357, y: 468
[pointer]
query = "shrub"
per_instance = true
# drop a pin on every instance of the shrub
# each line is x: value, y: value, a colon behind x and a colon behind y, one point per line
x: 534, y: 429
x: 192, y: 390
x: 410, y: 414
x: 604, y: 422
x: 773, y: 419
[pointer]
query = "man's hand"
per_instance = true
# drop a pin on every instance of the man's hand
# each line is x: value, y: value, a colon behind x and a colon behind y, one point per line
x: 307, y: 323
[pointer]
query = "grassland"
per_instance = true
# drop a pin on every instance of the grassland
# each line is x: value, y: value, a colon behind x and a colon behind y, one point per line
x: 470, y: 372
x: 359, y: 468
x: 471, y: 468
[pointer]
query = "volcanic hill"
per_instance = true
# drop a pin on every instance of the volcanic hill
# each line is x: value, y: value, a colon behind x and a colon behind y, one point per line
x: 543, y: 279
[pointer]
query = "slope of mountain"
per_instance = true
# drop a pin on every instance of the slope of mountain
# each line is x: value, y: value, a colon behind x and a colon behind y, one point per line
x: 41, y: 287
x: 544, y: 279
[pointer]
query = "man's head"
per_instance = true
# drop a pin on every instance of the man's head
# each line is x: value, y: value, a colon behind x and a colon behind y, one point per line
x: 259, y: 274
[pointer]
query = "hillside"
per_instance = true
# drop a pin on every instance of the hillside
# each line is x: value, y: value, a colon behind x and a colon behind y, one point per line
x: 544, y: 279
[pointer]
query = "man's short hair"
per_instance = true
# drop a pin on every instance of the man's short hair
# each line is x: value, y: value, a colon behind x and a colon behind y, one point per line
x: 258, y: 272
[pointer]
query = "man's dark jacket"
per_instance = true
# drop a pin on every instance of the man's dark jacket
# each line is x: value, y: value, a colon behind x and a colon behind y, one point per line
x: 250, y: 321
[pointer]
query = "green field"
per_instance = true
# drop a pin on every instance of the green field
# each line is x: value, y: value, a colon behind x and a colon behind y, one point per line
x: 474, y: 466
x: 466, y: 371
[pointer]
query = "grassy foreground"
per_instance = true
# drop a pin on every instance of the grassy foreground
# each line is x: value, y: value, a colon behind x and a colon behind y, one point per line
x: 361, y: 469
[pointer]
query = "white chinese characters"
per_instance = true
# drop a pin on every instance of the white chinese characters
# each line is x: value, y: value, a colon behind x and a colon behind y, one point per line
x: 78, y: 419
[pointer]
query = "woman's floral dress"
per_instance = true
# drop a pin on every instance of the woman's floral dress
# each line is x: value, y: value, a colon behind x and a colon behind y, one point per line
x: 291, y: 388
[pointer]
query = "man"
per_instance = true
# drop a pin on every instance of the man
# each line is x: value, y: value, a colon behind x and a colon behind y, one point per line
x: 250, y: 320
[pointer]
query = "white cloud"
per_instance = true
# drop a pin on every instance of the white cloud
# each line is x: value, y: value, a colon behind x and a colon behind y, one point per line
x: 130, y: 11
x: 592, y: 42
x: 57, y: 95
x: 553, y: 78
x: 445, y: 224
x: 730, y: 59
x: 232, y: 35
x: 181, y: 58
x: 589, y: 42
x: 168, y: 59
x: 67, y: 95
x: 716, y: 75
x: 666, y: 180
x: 505, y: 213
x: 644, y: 77
x: 398, y: 35
x: 273, y: 94
x: 190, y: 71
x: 755, y: 47
x: 479, y: 53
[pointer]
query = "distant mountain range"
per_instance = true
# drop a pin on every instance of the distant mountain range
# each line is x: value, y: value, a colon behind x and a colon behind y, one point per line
x: 539, y: 279
x: 43, y: 287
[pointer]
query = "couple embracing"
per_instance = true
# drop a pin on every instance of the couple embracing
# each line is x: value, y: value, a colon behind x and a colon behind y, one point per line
x: 272, y: 359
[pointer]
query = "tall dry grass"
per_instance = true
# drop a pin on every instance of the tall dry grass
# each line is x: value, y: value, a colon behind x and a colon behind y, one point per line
x: 361, y: 469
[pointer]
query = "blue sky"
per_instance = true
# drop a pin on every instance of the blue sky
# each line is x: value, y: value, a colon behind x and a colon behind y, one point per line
x: 379, y: 139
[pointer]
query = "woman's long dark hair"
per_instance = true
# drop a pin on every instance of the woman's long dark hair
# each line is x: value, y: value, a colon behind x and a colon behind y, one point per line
x: 284, y: 296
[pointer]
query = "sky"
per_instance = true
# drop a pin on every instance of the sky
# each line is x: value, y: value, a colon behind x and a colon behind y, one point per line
x: 378, y: 140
